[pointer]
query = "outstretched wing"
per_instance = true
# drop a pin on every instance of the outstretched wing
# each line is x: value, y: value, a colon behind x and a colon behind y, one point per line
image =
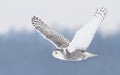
x: 84, y: 36
x: 48, y: 33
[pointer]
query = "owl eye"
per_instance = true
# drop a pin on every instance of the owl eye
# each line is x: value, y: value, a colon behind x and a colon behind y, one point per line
x: 56, y: 52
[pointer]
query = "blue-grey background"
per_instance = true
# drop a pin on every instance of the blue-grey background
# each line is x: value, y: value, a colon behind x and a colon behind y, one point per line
x: 24, y: 52
x: 27, y: 53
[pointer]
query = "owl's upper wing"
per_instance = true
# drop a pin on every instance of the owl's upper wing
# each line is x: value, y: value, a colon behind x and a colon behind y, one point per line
x: 84, y: 35
x: 48, y: 33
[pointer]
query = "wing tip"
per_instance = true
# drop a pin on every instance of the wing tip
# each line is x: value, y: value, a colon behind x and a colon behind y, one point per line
x: 101, y: 12
x: 35, y: 21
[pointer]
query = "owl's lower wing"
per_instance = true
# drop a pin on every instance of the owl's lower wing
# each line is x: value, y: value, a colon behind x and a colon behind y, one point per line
x: 84, y: 35
x: 48, y: 33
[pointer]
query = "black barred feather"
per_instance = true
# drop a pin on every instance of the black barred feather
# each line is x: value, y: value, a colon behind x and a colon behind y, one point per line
x: 47, y: 32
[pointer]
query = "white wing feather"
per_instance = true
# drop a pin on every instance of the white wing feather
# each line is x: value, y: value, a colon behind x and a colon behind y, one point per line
x: 84, y: 35
x: 57, y: 39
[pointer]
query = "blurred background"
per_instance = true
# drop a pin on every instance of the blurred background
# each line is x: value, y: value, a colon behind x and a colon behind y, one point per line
x: 24, y: 52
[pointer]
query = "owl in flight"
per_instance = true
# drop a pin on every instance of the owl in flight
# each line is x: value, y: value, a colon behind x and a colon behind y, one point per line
x: 76, y: 49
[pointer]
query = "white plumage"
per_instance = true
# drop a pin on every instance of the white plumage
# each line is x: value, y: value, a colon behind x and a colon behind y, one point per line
x: 76, y: 49
x: 84, y: 35
x: 57, y: 39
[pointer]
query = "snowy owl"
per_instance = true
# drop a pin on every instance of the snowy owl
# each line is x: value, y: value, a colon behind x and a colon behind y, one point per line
x: 76, y: 49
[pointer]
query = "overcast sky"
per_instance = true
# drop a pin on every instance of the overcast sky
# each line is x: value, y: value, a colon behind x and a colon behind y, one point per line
x: 61, y: 14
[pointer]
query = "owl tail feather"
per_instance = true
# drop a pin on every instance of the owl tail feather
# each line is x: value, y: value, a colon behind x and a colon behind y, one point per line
x: 87, y: 55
